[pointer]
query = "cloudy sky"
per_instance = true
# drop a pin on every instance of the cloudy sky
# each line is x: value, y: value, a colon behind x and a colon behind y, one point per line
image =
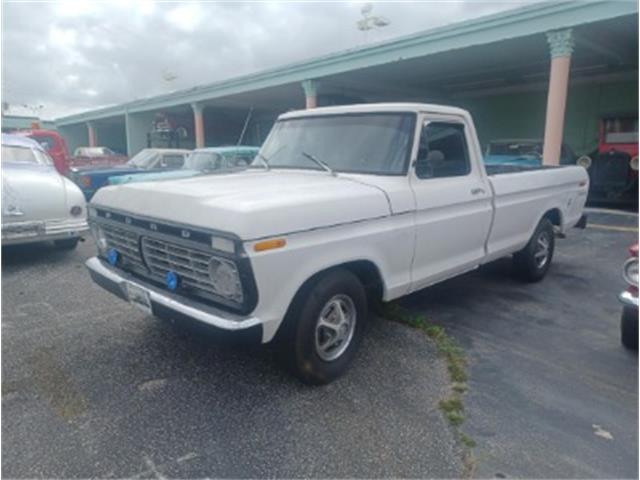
x: 68, y: 56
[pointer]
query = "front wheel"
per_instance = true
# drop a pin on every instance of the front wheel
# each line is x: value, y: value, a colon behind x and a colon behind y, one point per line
x: 629, y: 328
x: 533, y: 261
x: 324, y: 327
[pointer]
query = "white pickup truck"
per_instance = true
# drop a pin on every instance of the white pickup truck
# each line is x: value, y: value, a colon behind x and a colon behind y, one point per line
x: 341, y: 207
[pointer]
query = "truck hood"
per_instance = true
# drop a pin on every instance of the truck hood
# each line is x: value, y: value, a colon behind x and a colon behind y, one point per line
x: 253, y: 203
x: 32, y: 193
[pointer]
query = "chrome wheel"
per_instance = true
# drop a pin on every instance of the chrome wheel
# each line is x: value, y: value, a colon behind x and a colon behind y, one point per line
x: 541, y: 252
x: 335, y: 327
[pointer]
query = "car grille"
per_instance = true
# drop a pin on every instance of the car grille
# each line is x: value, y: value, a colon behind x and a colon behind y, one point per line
x: 611, y: 170
x: 191, y: 265
x: 126, y: 243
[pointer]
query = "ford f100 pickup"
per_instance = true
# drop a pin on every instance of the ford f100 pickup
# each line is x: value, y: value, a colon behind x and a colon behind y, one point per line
x: 343, y: 206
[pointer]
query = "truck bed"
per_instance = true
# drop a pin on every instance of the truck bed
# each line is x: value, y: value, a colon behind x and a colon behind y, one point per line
x: 501, y: 169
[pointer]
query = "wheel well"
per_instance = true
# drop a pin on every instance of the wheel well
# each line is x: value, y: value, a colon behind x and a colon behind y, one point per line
x: 369, y: 275
x: 554, y: 217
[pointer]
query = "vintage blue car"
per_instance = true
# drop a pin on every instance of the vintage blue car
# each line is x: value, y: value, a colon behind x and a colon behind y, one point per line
x: 90, y: 179
x: 202, y: 160
x: 526, y: 153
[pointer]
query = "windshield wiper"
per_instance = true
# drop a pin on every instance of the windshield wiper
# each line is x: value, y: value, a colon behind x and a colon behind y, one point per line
x: 319, y: 162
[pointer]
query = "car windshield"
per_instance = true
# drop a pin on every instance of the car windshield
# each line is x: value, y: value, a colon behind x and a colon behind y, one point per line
x: 515, y: 148
x: 375, y: 143
x: 145, y: 159
x: 203, y: 161
x: 13, y: 153
x: 621, y: 130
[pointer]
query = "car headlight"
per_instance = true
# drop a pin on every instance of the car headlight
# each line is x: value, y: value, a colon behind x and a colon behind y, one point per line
x: 99, y: 237
x: 225, y: 279
x: 630, y: 271
x: 584, y: 161
x: 633, y: 163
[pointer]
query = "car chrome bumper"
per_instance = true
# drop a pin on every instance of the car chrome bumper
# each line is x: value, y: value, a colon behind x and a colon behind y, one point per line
x: 628, y: 299
x: 41, y: 231
x: 167, y: 304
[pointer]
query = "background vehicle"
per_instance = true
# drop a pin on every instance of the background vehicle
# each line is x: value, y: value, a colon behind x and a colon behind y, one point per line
x: 38, y: 204
x: 202, y: 160
x: 523, y: 152
x: 294, y: 248
x: 54, y: 145
x: 614, y: 167
x: 629, y: 300
x: 90, y: 179
x: 92, y: 156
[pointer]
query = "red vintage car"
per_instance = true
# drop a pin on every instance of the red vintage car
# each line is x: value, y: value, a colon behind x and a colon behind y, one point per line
x: 54, y: 145
x: 629, y: 299
x: 96, y: 156
x: 613, y: 168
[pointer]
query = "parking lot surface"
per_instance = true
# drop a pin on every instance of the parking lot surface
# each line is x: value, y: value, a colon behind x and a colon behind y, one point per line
x: 92, y: 387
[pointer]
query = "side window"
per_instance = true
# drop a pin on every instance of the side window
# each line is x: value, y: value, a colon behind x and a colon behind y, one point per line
x: 443, y: 151
x: 172, y: 161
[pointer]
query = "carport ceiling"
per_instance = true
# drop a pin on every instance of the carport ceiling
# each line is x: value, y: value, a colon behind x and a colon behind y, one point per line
x: 601, y: 48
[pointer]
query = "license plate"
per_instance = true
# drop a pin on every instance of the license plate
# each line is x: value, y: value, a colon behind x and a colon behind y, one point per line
x: 139, y: 297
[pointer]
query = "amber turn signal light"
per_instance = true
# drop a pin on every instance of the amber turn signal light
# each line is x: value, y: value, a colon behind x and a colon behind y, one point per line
x: 269, y: 244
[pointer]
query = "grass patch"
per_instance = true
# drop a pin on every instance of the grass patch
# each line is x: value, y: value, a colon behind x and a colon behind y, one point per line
x: 452, y: 407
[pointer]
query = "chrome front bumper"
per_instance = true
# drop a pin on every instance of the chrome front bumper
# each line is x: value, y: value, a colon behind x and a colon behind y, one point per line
x: 628, y: 299
x: 41, y: 231
x: 165, y: 303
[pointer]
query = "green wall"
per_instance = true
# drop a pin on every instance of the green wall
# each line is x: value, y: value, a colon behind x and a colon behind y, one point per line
x: 522, y: 115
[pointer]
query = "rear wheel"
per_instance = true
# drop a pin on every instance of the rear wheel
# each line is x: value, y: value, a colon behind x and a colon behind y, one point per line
x: 66, y: 244
x: 324, y: 327
x: 533, y: 261
x: 629, y: 328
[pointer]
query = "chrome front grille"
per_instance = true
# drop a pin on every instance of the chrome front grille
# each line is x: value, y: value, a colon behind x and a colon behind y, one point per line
x: 125, y: 242
x: 191, y: 265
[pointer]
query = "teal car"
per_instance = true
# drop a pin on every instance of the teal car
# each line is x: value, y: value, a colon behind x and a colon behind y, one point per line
x: 200, y: 161
x: 527, y: 153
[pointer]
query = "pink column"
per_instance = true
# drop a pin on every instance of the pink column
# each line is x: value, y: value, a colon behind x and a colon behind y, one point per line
x: 93, y: 135
x: 198, y: 122
x: 561, y: 47
x: 310, y: 88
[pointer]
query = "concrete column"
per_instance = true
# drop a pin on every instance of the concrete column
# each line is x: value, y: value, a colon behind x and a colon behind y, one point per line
x: 310, y: 88
x: 93, y: 135
x: 198, y: 122
x: 561, y: 47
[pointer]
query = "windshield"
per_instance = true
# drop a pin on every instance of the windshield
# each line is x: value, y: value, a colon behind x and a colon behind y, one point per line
x: 375, y: 143
x: 144, y: 159
x: 12, y: 153
x: 621, y: 130
x: 520, y: 149
x: 203, y: 161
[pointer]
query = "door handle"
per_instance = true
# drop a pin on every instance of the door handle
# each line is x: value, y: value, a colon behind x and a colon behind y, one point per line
x: 477, y: 191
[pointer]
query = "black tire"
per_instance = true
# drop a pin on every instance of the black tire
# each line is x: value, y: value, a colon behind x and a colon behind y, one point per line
x: 297, y: 344
x: 66, y: 244
x: 527, y: 263
x: 629, y: 328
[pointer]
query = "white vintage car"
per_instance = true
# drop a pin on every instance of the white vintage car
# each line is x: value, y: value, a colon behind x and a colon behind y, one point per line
x: 38, y: 204
x: 342, y: 206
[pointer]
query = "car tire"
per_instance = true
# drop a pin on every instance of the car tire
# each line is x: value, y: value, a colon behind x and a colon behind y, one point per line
x: 309, y: 345
x: 532, y: 263
x: 66, y: 244
x: 629, y: 328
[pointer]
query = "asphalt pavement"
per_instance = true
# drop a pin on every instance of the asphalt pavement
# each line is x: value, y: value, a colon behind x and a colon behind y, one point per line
x: 92, y: 387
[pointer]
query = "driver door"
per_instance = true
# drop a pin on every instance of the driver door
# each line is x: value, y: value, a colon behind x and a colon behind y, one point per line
x: 453, y: 202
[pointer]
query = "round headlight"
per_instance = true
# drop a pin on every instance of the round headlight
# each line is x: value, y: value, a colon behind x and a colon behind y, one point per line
x: 633, y: 163
x: 76, y: 210
x: 225, y: 279
x: 630, y: 271
x: 99, y: 237
x: 584, y: 161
